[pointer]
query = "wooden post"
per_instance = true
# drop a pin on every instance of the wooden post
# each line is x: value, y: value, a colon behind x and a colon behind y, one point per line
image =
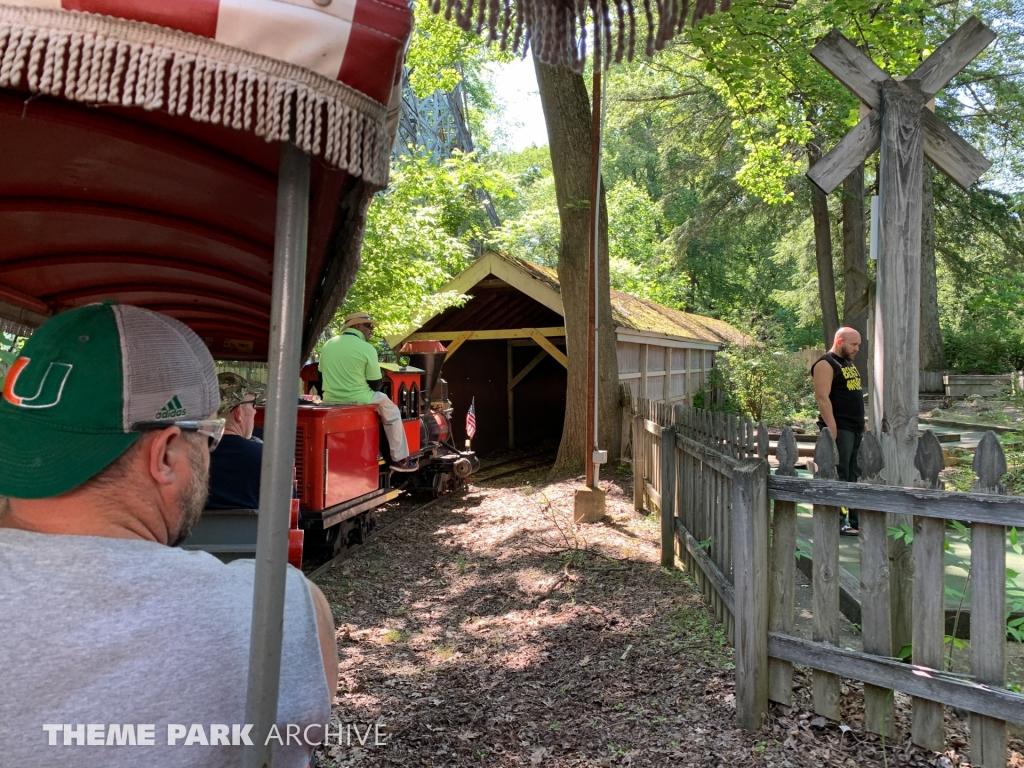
x: 668, y: 497
x: 511, y: 398
x: 988, y: 606
x: 826, y: 577
x: 639, y: 459
x: 750, y: 507
x: 643, y: 371
x: 762, y: 441
x: 897, y: 318
x: 874, y: 591
x: 928, y: 730
x: 782, y: 573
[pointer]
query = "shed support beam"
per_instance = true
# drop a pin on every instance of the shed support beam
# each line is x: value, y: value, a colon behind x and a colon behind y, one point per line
x: 529, y: 367
x: 511, y: 399
x: 459, y: 340
x: 552, y: 350
x: 504, y: 333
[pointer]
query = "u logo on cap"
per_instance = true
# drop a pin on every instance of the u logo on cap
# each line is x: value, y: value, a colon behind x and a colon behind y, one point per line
x: 50, y: 388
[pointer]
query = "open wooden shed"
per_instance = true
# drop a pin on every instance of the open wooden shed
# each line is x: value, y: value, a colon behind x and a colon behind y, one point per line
x: 506, y: 349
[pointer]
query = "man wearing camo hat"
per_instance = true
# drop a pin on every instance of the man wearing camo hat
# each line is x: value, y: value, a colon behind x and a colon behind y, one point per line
x: 107, y: 421
x: 235, y: 467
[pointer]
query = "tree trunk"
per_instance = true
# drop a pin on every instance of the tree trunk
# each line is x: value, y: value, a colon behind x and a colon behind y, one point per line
x: 567, y: 114
x: 823, y: 255
x: 855, y: 266
x: 933, y: 356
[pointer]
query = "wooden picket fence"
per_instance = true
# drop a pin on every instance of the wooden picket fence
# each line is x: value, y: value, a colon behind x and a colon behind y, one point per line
x: 733, y: 526
x: 693, y: 454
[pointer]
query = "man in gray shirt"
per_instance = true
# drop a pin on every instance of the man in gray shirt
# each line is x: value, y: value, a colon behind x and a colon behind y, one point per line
x: 119, y: 649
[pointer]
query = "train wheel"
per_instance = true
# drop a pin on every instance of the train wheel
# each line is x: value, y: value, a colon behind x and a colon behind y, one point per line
x: 335, y: 541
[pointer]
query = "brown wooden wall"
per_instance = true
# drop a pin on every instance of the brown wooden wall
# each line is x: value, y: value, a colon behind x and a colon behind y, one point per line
x: 540, y: 398
x: 480, y: 369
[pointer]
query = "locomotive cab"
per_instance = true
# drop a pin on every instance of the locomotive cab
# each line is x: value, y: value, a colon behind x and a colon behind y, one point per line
x: 341, y: 468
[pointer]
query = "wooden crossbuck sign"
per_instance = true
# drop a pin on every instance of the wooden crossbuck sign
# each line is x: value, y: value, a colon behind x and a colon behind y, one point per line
x: 906, y: 131
x: 890, y: 99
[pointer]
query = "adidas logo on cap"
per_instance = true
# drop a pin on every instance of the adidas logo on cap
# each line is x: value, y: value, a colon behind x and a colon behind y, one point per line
x: 172, y: 410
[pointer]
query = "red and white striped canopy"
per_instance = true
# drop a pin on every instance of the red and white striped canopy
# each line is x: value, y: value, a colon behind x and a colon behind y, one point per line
x: 328, y: 66
x: 358, y: 42
x: 139, y: 158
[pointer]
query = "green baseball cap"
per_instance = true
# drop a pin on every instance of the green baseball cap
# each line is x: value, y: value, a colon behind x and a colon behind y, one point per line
x: 83, y: 380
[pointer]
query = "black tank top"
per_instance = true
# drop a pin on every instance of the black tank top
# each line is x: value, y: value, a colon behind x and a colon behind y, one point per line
x: 846, y: 396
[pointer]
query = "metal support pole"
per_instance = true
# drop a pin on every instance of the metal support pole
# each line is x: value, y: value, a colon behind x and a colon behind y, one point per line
x: 278, y: 452
x: 593, y: 377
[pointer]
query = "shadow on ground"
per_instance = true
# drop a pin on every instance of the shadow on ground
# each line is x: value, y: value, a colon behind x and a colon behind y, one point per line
x: 490, y: 631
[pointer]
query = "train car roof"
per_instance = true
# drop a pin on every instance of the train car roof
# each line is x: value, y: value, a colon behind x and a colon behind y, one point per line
x: 139, y: 163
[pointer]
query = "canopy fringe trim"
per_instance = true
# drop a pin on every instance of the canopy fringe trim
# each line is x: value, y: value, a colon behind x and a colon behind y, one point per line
x: 557, y: 29
x: 100, y: 60
x: 14, y: 328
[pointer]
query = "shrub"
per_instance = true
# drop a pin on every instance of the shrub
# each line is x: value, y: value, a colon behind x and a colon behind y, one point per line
x: 761, y: 381
x: 983, y: 349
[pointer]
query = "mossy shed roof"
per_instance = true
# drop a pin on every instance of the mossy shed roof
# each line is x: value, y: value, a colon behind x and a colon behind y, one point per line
x: 541, y: 284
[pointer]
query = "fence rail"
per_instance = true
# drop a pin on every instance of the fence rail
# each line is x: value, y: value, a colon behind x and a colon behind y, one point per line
x: 707, y: 449
x: 734, y: 527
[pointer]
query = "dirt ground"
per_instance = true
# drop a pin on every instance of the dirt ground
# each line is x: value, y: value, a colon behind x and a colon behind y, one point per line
x: 490, y: 631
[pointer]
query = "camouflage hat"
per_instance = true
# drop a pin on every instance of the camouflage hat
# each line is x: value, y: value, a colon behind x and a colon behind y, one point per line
x: 236, y: 389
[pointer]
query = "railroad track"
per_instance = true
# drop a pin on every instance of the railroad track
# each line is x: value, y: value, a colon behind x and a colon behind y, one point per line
x: 348, y: 551
x: 482, y: 478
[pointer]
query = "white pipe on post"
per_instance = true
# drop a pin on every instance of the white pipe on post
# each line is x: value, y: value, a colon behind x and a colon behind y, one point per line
x: 278, y: 452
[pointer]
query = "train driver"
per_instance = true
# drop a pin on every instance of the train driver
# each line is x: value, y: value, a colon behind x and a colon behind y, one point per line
x: 111, y: 635
x: 351, y: 374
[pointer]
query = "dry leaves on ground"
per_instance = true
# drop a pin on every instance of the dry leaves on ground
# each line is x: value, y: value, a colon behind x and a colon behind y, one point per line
x: 490, y: 631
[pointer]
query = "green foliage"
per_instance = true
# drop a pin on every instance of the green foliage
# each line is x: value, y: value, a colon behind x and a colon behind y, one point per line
x: 980, y: 242
x: 442, y: 57
x: 418, y: 236
x: 1014, y: 593
x: 531, y: 228
x: 1013, y: 480
x: 762, y: 381
x: 671, y: 158
x: 781, y: 98
x: 904, y: 532
x: 437, y: 51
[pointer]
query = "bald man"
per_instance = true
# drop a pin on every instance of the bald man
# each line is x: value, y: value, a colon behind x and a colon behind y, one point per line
x: 837, y: 388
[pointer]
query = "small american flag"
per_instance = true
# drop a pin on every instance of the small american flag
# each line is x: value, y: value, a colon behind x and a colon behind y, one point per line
x: 471, y: 420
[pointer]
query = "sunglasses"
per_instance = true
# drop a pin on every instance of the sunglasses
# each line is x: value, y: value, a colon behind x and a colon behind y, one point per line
x: 244, y: 402
x: 212, y: 429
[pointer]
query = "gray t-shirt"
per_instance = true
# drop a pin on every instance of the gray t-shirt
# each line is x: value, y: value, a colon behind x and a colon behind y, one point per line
x: 98, y: 632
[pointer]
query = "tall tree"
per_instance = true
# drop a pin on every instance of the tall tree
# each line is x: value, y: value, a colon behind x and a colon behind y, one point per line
x: 855, y: 266
x: 567, y: 115
x: 786, y: 103
x: 823, y: 254
x: 933, y: 356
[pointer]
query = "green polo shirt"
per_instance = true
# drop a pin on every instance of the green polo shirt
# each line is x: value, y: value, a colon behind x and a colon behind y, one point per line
x: 347, y: 362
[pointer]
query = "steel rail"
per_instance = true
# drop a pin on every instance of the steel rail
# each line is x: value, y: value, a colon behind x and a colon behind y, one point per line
x: 344, y: 555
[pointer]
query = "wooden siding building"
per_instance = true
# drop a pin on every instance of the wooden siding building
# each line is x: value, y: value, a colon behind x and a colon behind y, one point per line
x: 506, y: 349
